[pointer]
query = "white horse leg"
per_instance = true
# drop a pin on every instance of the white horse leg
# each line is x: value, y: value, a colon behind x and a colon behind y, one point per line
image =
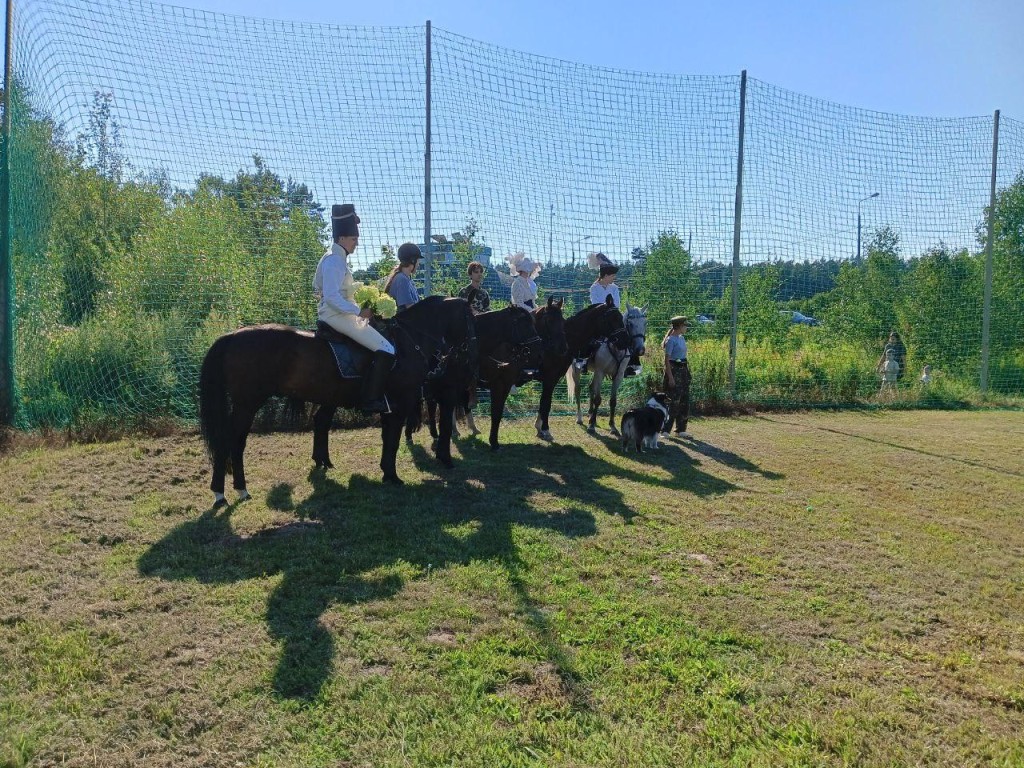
x: 595, y: 398
x: 615, y: 392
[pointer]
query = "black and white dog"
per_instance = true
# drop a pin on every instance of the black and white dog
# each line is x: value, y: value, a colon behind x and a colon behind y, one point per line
x: 641, y: 426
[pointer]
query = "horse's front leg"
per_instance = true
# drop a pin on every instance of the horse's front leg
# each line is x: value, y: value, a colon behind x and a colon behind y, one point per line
x: 595, y: 401
x: 391, y: 435
x: 499, y: 395
x: 470, y: 405
x: 321, y: 433
x: 241, y: 423
x: 443, y: 444
x: 543, y: 410
x: 611, y: 404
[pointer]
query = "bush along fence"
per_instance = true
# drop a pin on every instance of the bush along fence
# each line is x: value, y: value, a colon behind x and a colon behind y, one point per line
x: 165, y: 174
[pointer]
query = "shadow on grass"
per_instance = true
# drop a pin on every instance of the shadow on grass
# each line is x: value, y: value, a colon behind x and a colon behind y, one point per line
x: 349, y: 535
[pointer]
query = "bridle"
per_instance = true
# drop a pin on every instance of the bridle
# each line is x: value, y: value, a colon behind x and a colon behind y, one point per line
x: 443, y: 353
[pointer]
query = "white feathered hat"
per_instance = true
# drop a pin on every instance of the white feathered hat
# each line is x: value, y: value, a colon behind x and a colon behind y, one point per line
x: 603, y: 263
x: 520, y: 262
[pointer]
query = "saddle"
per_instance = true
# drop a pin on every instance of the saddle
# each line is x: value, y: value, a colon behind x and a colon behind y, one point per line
x: 353, y: 359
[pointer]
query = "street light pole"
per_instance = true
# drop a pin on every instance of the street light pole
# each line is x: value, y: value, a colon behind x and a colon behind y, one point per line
x: 581, y: 240
x: 869, y: 197
x: 551, y: 233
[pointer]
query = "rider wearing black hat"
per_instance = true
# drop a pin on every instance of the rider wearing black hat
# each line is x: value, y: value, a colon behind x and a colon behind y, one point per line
x: 335, y: 287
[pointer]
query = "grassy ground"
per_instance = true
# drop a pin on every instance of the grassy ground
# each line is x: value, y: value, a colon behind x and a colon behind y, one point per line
x: 799, y: 589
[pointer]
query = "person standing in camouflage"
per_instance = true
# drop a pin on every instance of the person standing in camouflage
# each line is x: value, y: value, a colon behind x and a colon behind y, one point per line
x: 677, y: 377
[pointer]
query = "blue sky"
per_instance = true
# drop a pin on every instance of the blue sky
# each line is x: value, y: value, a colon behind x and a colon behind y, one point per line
x: 544, y: 153
x: 938, y: 58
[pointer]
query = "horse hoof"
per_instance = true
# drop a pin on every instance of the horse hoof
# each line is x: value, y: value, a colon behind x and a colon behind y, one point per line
x: 546, y: 436
x: 615, y: 432
x: 220, y: 503
x: 592, y: 429
x: 475, y: 432
x: 393, y: 480
x: 580, y: 422
x: 449, y: 464
x: 243, y: 496
x: 495, y: 447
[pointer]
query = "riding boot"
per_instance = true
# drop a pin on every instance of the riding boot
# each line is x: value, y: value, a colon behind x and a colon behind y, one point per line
x: 373, y: 399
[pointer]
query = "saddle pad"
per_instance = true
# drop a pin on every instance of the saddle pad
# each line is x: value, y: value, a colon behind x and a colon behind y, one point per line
x: 353, y: 361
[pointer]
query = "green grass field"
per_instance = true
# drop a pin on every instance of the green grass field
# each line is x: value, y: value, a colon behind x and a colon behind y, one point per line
x: 788, y: 589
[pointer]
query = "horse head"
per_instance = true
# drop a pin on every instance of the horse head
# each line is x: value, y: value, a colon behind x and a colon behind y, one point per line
x: 635, y: 323
x: 551, y: 326
x: 612, y: 327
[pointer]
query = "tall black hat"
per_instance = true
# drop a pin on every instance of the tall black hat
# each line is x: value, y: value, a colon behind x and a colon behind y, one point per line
x: 344, y: 221
x: 408, y: 253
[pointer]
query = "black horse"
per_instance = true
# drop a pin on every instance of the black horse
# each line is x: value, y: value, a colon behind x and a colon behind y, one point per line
x: 595, y: 322
x: 502, y: 361
x: 243, y: 369
x: 500, y: 371
x: 505, y: 338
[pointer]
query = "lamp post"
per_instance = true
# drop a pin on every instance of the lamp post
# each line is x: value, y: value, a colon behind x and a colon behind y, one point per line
x: 869, y: 197
x: 581, y: 240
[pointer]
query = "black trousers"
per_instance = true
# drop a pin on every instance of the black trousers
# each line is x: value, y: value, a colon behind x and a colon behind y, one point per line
x: 678, y: 396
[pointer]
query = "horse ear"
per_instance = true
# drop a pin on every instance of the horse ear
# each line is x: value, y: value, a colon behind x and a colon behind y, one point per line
x: 551, y: 300
x: 609, y: 300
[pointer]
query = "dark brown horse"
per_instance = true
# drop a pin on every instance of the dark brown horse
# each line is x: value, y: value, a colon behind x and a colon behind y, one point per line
x: 505, y: 338
x: 243, y: 369
x: 504, y: 366
x: 595, y: 322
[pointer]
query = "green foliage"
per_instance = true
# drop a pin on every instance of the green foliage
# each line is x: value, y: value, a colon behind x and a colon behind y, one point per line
x: 863, y: 305
x: 664, y: 280
x: 1007, y: 321
x: 940, y: 309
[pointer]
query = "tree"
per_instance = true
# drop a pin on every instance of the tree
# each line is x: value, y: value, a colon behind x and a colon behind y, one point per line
x: 664, y: 280
x: 863, y: 305
x: 1007, y: 321
x: 939, y: 307
x: 265, y: 202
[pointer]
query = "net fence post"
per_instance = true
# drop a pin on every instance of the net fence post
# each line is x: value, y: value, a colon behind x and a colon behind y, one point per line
x: 428, y: 256
x: 6, y: 267
x: 738, y: 211
x: 986, y: 314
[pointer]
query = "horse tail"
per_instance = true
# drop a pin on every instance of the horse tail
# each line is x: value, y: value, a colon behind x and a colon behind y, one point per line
x: 572, y: 381
x: 214, y: 409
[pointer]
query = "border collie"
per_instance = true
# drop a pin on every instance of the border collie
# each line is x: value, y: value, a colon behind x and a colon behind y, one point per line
x: 641, y: 426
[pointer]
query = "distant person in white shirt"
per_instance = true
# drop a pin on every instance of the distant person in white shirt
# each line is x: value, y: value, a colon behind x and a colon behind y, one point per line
x: 926, y: 376
x: 605, y: 285
x: 334, y: 288
x: 524, y: 281
x: 602, y: 288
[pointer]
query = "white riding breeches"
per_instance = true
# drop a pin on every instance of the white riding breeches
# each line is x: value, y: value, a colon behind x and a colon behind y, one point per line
x: 360, y: 331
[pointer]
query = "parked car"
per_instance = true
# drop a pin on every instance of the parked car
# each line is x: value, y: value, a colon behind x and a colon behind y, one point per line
x: 798, y: 317
x: 705, y: 319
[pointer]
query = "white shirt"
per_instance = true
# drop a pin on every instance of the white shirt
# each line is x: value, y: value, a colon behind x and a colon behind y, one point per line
x: 598, y: 293
x: 524, y: 290
x: 333, y: 285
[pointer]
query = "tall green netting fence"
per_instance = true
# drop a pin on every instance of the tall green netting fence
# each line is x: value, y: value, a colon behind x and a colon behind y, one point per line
x: 170, y: 168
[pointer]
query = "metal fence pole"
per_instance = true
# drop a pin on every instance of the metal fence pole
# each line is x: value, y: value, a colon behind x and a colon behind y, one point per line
x: 7, y: 407
x: 986, y: 315
x: 736, y: 237
x: 428, y: 257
